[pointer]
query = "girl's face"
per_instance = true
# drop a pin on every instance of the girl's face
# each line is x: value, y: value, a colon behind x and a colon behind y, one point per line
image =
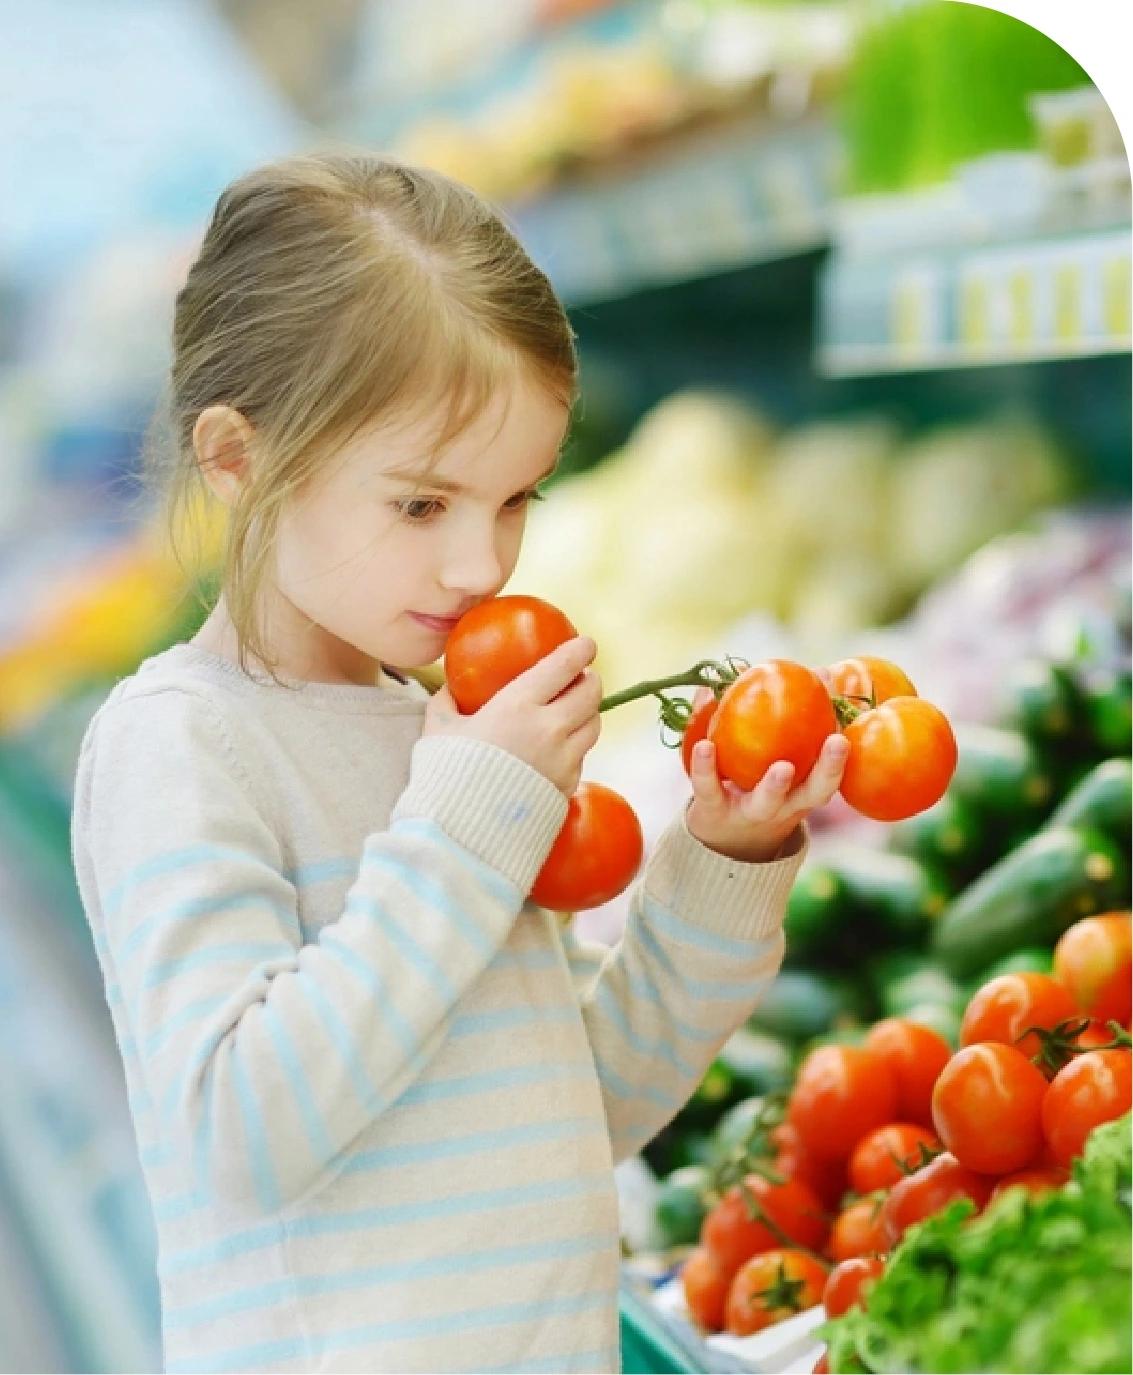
x: 375, y: 562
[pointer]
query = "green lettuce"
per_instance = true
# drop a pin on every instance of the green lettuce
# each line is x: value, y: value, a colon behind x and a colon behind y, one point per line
x: 1034, y: 1284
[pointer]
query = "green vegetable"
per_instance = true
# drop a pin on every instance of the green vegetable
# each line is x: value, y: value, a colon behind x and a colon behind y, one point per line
x: 1031, y: 896
x: 1109, y: 710
x: 1001, y: 775
x: 1029, y: 959
x: 950, y: 838
x: 1036, y: 1283
x: 680, y: 1205
x: 758, y: 1063
x: 800, y: 1004
x: 817, y: 910
x: 1102, y: 799
x: 902, y: 982
x: 895, y: 899
x: 1043, y: 701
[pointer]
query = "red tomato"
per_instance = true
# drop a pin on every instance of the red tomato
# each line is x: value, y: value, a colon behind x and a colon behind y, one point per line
x: 774, y: 710
x: 496, y: 642
x: 696, y: 730
x: 822, y: 1365
x: 887, y: 1155
x: 1092, y: 1089
x: 772, y: 1286
x: 849, y: 1283
x: 1005, y: 1007
x: 840, y: 1093
x: 1036, y: 1181
x: 868, y: 677
x: 988, y: 1108
x: 859, y: 1230
x: 1094, y: 959
x: 596, y: 854
x: 915, y: 1054
x: 826, y: 1177
x: 902, y: 758
x: 732, y: 1234
x: 929, y: 1191
x: 706, y: 1287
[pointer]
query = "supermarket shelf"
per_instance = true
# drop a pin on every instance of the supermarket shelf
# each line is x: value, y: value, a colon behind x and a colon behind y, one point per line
x: 718, y: 200
x: 1065, y: 296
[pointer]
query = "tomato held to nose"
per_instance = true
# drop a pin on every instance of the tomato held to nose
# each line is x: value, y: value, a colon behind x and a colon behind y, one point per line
x: 902, y: 758
x: 774, y: 710
x: 596, y: 854
x: 497, y: 641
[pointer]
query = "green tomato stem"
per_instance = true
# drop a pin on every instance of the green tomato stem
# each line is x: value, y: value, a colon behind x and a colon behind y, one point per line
x: 707, y: 673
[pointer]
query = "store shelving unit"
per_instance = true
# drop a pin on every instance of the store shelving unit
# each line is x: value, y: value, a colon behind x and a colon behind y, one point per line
x: 1045, y: 298
x: 750, y: 193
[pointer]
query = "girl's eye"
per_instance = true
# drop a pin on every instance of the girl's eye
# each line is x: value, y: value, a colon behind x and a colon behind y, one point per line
x: 418, y: 509
x: 522, y: 499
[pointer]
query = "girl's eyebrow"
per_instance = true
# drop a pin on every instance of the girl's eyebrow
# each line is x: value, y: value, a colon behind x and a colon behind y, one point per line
x: 444, y: 484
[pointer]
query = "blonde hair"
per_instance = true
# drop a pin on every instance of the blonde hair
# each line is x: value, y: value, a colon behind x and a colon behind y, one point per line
x: 331, y: 291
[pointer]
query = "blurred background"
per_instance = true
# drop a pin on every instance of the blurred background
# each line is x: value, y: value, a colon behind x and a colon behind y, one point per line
x: 851, y: 285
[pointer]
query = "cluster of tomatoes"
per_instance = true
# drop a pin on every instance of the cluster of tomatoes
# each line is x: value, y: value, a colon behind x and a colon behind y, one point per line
x: 902, y: 755
x: 879, y: 1136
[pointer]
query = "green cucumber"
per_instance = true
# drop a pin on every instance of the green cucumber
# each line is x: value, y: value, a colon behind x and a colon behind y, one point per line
x: 1031, y: 896
x: 903, y: 981
x: 803, y: 1003
x: 949, y: 837
x: 1109, y: 709
x: 1001, y: 774
x: 1043, y: 701
x: 895, y: 899
x: 758, y: 1063
x: 679, y: 1207
x: 1102, y: 799
x: 817, y: 910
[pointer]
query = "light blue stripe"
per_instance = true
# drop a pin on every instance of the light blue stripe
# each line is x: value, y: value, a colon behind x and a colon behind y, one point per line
x: 322, y: 1148
x: 198, y: 1061
x: 599, y: 1358
x: 405, y: 945
x: 711, y: 990
x: 461, y: 1262
x: 160, y: 865
x: 642, y: 986
x: 155, y: 1156
x: 373, y: 981
x: 474, y: 1143
x: 180, y: 1206
x: 626, y: 1091
x: 339, y: 1034
x: 658, y: 1049
x: 679, y: 930
x: 390, y: 1215
x: 435, y: 1090
x: 259, y: 1153
x: 405, y: 1329
x: 508, y: 1018
x: 323, y: 871
x: 193, y: 908
x: 215, y: 955
x: 190, y: 1013
x: 484, y: 874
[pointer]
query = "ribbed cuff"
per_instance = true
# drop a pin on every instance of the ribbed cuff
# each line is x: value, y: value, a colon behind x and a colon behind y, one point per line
x: 493, y: 804
x: 719, y: 894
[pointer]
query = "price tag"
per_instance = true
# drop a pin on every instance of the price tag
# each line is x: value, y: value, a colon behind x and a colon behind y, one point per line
x: 915, y: 314
x: 1116, y: 290
x: 1068, y: 302
x: 1021, y: 307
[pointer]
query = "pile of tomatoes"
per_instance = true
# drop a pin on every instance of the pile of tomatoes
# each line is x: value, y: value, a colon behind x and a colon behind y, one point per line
x: 878, y: 1136
x: 902, y: 756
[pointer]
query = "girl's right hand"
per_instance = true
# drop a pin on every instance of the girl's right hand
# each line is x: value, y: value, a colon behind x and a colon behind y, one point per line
x: 548, y: 716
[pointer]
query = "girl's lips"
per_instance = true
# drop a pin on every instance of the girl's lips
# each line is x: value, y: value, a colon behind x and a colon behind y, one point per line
x: 440, y: 623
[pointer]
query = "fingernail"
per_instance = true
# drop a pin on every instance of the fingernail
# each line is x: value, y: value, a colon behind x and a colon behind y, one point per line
x: 839, y: 747
x: 703, y: 751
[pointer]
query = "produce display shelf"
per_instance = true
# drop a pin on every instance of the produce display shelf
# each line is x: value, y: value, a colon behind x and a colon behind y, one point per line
x: 1046, y: 298
x: 712, y: 201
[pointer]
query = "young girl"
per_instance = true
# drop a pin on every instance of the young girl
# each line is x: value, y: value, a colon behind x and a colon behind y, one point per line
x: 378, y: 1095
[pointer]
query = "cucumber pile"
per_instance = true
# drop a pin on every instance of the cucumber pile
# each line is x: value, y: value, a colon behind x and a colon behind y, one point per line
x: 1032, y: 835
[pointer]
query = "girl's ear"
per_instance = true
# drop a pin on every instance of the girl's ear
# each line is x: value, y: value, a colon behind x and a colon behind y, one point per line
x: 222, y: 443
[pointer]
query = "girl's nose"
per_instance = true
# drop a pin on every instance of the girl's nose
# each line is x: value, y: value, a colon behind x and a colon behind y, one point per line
x: 474, y: 569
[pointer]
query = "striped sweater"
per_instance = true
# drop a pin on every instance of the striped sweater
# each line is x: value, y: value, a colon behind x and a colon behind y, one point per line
x: 378, y: 1096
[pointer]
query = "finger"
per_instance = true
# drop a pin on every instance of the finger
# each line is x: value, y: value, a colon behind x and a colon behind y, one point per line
x: 543, y: 681
x: 578, y: 703
x: 766, y: 799
x: 700, y: 696
x: 706, y: 785
x: 824, y: 779
x: 824, y: 675
x: 586, y: 736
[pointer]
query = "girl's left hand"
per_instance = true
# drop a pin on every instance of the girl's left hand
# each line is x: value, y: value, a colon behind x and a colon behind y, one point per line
x: 752, y: 827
